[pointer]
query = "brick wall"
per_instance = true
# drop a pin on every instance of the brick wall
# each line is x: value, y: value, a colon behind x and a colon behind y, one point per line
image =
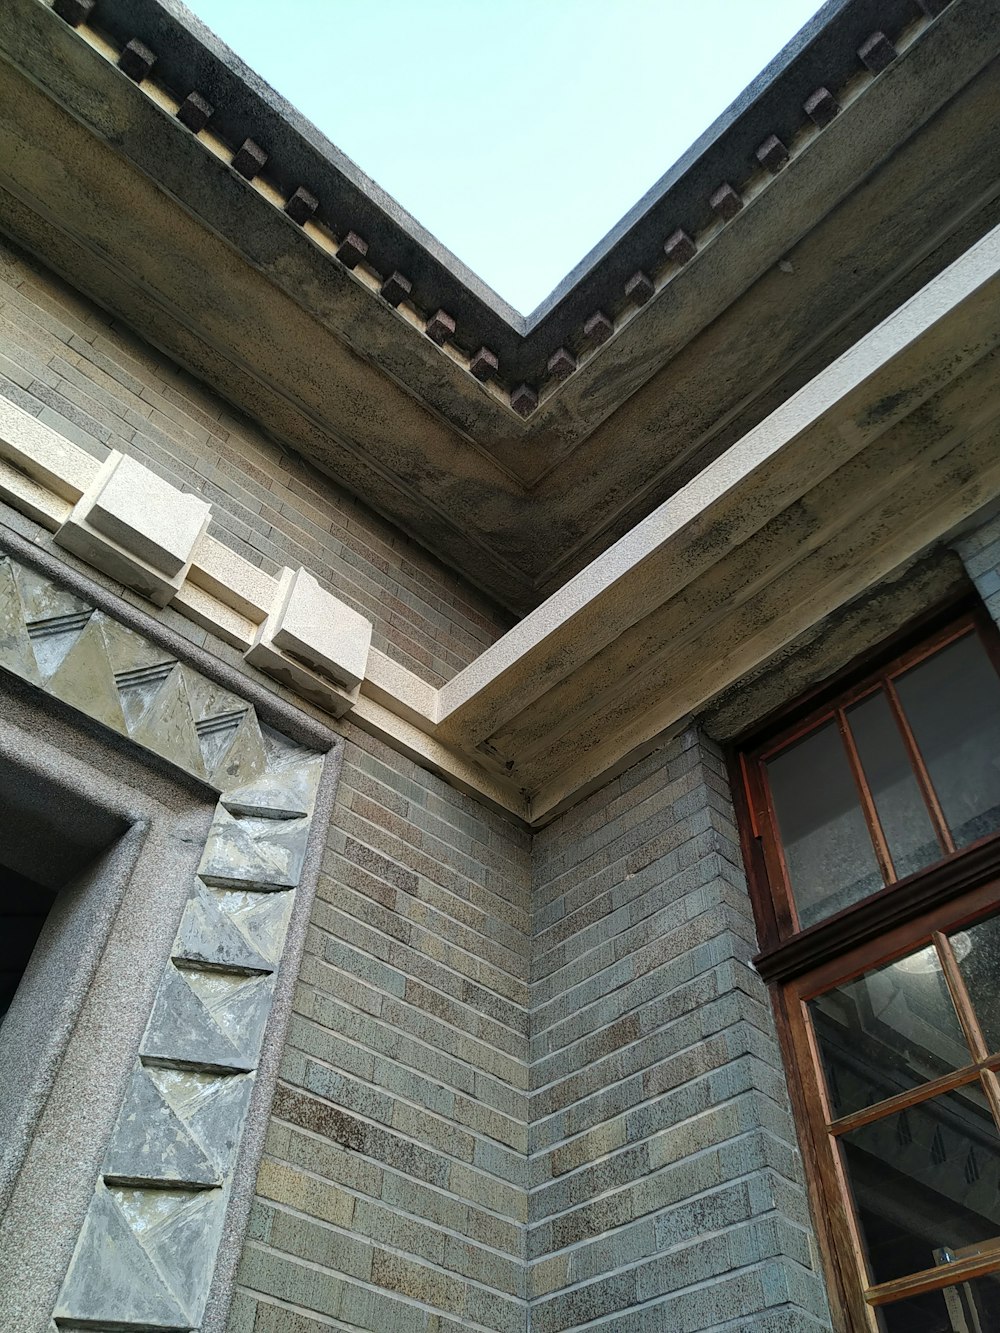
x: 527, y: 1085
x: 667, y: 1184
x: 64, y: 360
x: 980, y: 553
x: 607, y: 1147
x: 392, y: 1194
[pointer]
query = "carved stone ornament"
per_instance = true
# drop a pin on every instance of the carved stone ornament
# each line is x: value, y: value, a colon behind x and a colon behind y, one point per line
x: 146, y: 1252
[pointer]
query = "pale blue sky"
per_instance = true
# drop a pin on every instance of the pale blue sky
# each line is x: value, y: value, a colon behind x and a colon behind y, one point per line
x: 517, y: 131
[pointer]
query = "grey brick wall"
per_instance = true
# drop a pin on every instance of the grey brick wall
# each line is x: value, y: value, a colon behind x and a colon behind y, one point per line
x: 64, y: 360
x: 667, y: 1188
x: 980, y: 553
x: 526, y: 1086
x: 393, y: 1191
x: 532, y: 1087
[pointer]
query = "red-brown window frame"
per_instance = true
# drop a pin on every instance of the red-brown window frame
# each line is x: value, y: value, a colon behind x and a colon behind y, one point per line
x: 797, y: 964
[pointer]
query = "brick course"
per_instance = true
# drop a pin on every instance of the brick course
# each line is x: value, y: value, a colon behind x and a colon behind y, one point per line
x: 527, y: 1083
x: 980, y: 553
x: 393, y: 1193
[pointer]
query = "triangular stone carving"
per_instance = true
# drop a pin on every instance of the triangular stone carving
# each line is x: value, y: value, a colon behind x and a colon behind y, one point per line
x: 284, y: 794
x: 264, y: 854
x: 181, y: 1237
x: 213, y: 1106
x: 128, y: 651
x: 211, y: 936
x: 167, y: 726
x: 239, y: 1006
x: 151, y: 1143
x: 281, y: 750
x: 137, y: 689
x: 216, y: 735
x: 182, y: 1031
x: 262, y: 917
x: 209, y: 699
x: 112, y: 1280
x: 84, y: 679
x: 15, y: 647
x: 43, y: 600
x: 243, y: 759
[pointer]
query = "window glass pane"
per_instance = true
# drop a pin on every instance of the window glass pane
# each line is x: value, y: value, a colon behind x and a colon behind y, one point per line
x: 902, y: 811
x: 977, y: 949
x: 967, y: 1307
x: 952, y: 703
x: 830, y: 859
x: 926, y: 1180
x: 887, y: 1031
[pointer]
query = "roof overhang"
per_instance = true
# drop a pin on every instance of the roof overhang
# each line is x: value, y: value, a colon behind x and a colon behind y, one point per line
x: 876, y: 461
x: 99, y: 177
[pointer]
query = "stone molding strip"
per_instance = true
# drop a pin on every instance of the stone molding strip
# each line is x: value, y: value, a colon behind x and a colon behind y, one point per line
x: 291, y: 628
x: 146, y: 1254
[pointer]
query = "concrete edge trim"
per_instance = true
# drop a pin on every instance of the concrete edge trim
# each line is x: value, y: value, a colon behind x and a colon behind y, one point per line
x: 541, y: 636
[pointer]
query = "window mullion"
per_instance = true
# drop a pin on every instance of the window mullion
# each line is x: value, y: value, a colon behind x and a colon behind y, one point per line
x: 875, y: 830
x: 920, y: 769
x: 961, y: 1000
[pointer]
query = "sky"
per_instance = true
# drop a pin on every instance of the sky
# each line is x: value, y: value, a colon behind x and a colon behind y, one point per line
x: 517, y: 131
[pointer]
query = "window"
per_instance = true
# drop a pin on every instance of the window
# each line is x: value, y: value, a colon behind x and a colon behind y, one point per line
x: 872, y: 831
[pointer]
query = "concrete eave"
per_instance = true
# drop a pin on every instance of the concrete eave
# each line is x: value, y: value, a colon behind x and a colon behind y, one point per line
x: 876, y: 459
x: 880, y: 457
x: 211, y: 269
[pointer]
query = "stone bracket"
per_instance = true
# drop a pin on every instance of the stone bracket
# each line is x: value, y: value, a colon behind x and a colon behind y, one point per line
x: 313, y: 642
x: 136, y: 527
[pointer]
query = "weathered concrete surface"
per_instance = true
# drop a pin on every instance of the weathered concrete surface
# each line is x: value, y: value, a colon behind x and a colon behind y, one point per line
x: 858, y: 215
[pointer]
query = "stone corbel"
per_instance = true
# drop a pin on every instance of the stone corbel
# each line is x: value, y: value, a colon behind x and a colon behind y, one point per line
x: 313, y: 643
x: 136, y: 527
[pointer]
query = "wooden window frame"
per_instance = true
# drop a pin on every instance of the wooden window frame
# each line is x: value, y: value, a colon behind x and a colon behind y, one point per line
x: 797, y: 964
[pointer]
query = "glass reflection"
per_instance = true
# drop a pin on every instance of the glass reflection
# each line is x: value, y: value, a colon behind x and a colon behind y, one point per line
x: 887, y: 1031
x: 977, y: 949
x: 902, y: 812
x: 952, y: 703
x: 926, y: 1183
x: 829, y: 855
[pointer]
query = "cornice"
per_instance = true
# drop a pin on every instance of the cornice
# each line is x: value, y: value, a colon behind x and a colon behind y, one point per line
x: 880, y: 457
x: 846, y: 45
x: 168, y: 52
x: 278, y: 306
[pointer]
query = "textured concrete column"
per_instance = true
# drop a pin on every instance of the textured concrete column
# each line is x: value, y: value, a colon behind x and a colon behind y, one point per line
x: 667, y: 1186
x: 980, y: 553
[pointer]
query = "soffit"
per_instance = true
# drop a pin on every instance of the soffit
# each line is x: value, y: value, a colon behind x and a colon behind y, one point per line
x: 114, y: 192
x: 882, y: 457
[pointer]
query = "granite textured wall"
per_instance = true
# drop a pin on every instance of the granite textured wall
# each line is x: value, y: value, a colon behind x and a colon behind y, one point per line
x: 668, y: 1187
x: 67, y: 362
x: 393, y: 1191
